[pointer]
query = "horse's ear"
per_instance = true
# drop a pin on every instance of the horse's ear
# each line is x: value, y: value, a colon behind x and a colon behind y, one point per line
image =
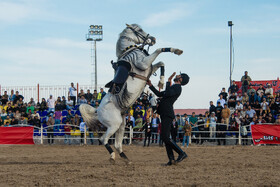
x: 128, y: 25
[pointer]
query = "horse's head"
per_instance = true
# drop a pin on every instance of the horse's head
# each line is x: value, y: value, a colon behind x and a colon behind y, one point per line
x: 139, y: 36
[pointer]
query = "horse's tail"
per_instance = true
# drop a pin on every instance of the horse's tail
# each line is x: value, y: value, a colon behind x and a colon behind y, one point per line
x: 89, y: 115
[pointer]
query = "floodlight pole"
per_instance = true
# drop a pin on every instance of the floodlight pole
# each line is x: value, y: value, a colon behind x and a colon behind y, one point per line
x: 230, y: 24
x: 95, y: 65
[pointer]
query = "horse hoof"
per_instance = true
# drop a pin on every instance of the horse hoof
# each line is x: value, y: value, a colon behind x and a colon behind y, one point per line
x: 178, y: 52
x: 112, y: 158
x: 112, y: 161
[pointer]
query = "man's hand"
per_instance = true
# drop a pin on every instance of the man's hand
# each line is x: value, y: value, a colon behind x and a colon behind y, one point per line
x: 149, y: 82
x: 170, y: 78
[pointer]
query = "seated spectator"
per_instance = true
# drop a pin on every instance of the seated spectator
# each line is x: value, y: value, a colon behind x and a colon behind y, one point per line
x: 273, y: 106
x: 32, y: 102
x: 221, y: 100
x: 252, y: 98
x: 101, y: 95
x: 257, y: 108
x: 224, y: 94
x: 76, y: 120
x: 82, y: 100
x: 232, y: 100
x: 88, y: 96
x: 17, y: 115
x: 251, y: 90
x: 260, y: 90
x: 250, y: 112
x: 261, y: 120
x: 94, y: 96
x: 3, y: 114
x: 69, y: 104
x: 82, y: 93
x: 239, y: 97
x: 245, y: 98
x: 238, y: 106
x: 264, y: 106
x: 1, y: 122
x: 4, y: 98
x: 22, y: 120
x: 69, y: 116
x: 43, y: 105
x: 233, y: 88
x: 7, y: 124
x: 18, y: 97
x: 30, y: 107
x: 36, y: 121
x: 58, y: 104
x: 277, y: 121
x: 269, y: 91
x: 9, y: 107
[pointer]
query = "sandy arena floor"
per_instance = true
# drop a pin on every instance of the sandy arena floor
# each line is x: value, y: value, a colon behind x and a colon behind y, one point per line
x: 89, y: 166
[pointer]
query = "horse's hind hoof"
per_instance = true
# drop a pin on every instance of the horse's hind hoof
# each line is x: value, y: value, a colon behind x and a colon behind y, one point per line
x: 112, y: 158
x: 112, y: 161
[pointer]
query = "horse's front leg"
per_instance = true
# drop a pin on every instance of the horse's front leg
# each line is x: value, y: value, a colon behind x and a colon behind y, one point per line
x: 155, y: 68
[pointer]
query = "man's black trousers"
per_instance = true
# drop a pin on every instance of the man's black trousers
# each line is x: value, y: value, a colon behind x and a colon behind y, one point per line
x: 166, y: 123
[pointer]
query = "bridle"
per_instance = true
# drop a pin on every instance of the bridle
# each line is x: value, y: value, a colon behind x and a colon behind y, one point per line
x: 139, y: 35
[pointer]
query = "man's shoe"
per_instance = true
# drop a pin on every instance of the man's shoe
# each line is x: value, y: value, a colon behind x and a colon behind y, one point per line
x: 181, y: 157
x: 171, y: 162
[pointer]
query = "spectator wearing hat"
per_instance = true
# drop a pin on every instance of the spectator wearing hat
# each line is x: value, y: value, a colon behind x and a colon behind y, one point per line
x: 245, y: 80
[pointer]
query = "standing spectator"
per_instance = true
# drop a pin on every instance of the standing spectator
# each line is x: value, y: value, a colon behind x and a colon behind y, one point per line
x: 245, y: 80
x: 212, y: 107
x: 224, y: 94
x: 245, y: 122
x: 221, y: 100
x: 57, y: 118
x: 187, y: 129
x: 225, y: 114
x: 50, y: 124
x: 147, y: 128
x: 88, y: 96
x: 36, y: 122
x: 77, y: 120
x: 63, y: 103
x: 67, y: 133
x: 233, y: 88
x: 154, y: 130
x: 82, y: 93
x: 51, y: 104
x: 193, y: 123
x: 72, y: 93
x: 221, y: 135
x: 101, y: 95
x: 264, y: 107
x: 174, y: 130
x: 181, y: 124
x: 22, y: 120
x: 234, y: 126
x: 82, y: 129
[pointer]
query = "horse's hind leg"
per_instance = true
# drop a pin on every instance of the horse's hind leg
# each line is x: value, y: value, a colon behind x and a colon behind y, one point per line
x: 119, y: 139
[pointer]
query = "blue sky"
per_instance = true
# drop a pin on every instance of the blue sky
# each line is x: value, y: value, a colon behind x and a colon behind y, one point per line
x: 43, y: 41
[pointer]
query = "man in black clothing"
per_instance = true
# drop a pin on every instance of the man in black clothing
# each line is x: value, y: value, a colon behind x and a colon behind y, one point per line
x: 212, y: 108
x: 166, y: 112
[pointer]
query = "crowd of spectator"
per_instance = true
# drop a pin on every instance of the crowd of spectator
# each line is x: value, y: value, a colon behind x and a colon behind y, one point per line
x: 233, y: 109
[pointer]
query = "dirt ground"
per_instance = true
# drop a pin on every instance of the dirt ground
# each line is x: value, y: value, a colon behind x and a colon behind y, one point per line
x: 43, y: 165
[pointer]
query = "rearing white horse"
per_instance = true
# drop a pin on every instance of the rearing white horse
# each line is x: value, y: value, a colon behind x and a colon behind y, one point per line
x: 135, y: 66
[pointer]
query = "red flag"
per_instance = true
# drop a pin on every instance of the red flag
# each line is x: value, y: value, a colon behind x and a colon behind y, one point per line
x: 16, y: 135
x: 266, y: 134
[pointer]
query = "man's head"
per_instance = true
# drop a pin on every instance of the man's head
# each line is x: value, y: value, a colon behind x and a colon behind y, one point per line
x: 72, y: 84
x: 193, y: 114
x: 211, y: 103
x: 246, y: 72
x: 182, y: 79
x: 88, y: 91
x: 101, y: 90
x: 225, y: 105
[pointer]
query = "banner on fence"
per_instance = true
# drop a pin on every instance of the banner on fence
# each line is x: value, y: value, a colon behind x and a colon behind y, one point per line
x: 266, y: 134
x: 16, y: 135
x: 275, y: 84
